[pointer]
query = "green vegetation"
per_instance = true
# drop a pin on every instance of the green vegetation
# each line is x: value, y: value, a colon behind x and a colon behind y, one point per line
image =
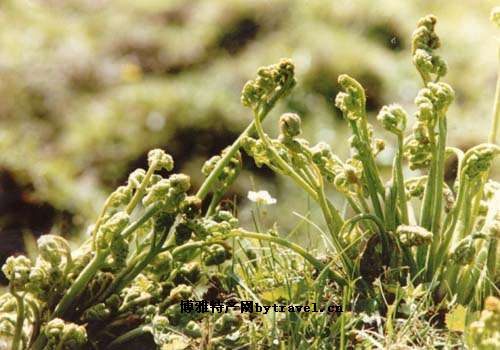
x: 412, y: 259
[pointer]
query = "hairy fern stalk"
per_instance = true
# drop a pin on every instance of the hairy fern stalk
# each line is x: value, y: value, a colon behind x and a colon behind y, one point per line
x: 153, y: 244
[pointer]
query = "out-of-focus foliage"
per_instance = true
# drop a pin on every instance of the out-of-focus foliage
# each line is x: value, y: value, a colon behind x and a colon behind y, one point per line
x: 88, y: 86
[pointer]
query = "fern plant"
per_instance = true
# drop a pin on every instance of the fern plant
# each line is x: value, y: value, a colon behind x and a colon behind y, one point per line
x: 449, y: 238
x: 154, y: 244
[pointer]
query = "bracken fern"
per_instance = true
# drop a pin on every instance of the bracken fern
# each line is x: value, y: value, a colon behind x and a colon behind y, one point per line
x: 154, y: 244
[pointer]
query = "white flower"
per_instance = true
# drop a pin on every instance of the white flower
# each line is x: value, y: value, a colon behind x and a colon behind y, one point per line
x: 261, y: 197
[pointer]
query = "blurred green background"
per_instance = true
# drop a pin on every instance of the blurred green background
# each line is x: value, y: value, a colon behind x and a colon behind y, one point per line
x: 87, y: 87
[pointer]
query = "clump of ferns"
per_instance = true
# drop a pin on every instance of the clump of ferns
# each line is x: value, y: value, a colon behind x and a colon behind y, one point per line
x: 153, y: 245
x: 130, y: 276
x: 448, y: 241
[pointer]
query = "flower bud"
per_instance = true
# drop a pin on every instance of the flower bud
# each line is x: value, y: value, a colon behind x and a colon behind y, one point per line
x: 429, y: 64
x: 199, y: 228
x: 353, y: 171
